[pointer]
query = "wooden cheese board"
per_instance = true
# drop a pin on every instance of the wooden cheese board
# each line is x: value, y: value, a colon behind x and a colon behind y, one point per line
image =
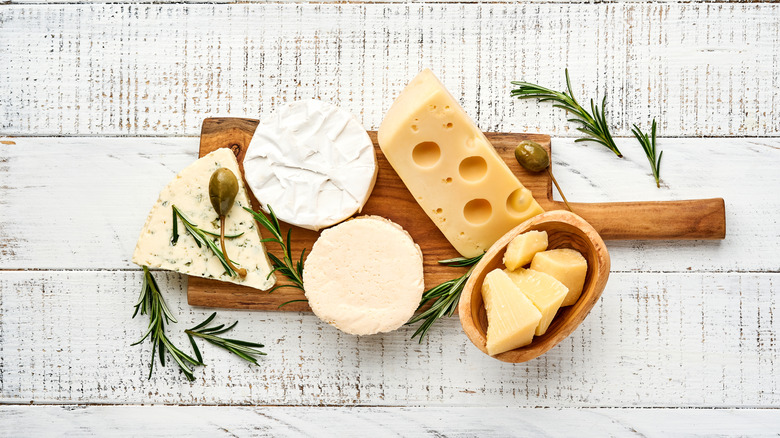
x: 670, y: 220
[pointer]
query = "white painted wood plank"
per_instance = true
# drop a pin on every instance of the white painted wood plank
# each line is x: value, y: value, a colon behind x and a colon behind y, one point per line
x: 325, y: 2
x: 208, y: 421
x: 79, y: 203
x: 159, y: 69
x: 653, y: 340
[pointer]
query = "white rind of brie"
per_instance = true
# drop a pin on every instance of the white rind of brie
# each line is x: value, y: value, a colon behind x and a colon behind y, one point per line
x: 189, y: 193
x: 312, y: 162
x: 364, y: 276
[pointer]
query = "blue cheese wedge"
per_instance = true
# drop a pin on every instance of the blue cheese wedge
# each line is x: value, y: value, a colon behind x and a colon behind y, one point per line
x: 189, y: 193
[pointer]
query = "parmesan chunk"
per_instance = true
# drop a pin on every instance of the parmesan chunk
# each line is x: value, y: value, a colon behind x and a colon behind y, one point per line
x: 567, y: 266
x: 512, y: 317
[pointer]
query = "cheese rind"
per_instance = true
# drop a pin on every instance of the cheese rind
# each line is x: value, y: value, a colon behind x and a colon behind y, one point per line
x: 567, y: 266
x: 512, y: 317
x: 364, y: 276
x: 521, y: 249
x: 451, y: 168
x: 313, y: 162
x: 189, y: 193
x: 543, y: 290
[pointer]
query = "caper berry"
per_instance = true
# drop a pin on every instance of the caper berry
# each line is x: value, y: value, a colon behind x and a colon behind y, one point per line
x: 532, y: 156
x: 223, y: 188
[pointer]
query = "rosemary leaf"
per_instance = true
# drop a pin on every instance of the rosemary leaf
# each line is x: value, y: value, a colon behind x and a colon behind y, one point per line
x: 594, y: 124
x: 445, y: 297
x: 286, y: 266
x: 291, y: 301
x: 201, y: 238
x: 151, y: 302
x: 243, y: 349
x: 648, y: 145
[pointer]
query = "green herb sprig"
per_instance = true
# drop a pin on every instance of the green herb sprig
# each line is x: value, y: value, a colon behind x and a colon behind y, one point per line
x: 201, y: 238
x: 593, y: 125
x: 285, y: 266
x: 445, y: 296
x: 648, y: 145
x: 151, y: 302
x: 243, y: 349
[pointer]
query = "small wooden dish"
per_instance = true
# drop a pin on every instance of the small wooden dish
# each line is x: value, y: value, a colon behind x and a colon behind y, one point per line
x: 564, y: 230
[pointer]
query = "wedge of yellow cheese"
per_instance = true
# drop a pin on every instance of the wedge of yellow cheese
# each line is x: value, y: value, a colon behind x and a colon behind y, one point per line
x: 567, y: 266
x: 512, y: 317
x: 521, y: 249
x: 451, y: 168
x: 543, y: 290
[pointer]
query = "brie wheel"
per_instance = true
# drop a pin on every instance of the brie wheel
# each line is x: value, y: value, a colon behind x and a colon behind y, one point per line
x: 364, y: 276
x: 312, y: 162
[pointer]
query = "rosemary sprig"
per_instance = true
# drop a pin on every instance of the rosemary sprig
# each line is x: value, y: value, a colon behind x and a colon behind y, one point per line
x: 201, y: 238
x: 648, y: 144
x: 593, y: 125
x: 285, y: 266
x: 243, y: 349
x: 446, y: 296
x: 151, y: 301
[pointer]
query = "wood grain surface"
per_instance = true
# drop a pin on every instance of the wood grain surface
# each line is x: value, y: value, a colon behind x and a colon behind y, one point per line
x: 159, y: 69
x: 382, y: 422
x: 691, y: 219
x: 652, y: 340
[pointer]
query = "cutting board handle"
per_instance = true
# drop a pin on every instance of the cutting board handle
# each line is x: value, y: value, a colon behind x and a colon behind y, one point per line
x: 687, y: 220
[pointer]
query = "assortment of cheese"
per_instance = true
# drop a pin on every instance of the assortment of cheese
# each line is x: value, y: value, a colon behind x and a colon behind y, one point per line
x: 521, y: 303
x: 316, y: 166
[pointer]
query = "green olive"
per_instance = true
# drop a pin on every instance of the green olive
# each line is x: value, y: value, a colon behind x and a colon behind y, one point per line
x: 532, y: 156
x: 223, y: 188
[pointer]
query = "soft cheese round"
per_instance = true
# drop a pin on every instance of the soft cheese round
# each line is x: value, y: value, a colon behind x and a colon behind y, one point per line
x: 364, y: 276
x: 312, y: 162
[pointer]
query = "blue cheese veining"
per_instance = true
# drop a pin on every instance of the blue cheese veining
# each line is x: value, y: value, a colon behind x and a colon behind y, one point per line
x: 189, y: 192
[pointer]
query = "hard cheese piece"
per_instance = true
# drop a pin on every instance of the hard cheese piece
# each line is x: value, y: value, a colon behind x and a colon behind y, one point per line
x: 521, y: 249
x: 189, y: 193
x: 364, y: 276
x: 512, y: 317
x: 312, y: 162
x: 543, y: 290
x: 452, y: 170
x: 567, y: 266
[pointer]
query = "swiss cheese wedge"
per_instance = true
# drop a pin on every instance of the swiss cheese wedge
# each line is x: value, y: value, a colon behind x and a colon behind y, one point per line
x: 450, y: 167
x: 189, y: 193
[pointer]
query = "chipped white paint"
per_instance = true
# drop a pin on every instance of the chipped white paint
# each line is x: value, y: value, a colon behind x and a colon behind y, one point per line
x: 159, y: 69
x: 680, y: 324
x: 96, y: 224
x: 653, y: 340
x: 281, y: 422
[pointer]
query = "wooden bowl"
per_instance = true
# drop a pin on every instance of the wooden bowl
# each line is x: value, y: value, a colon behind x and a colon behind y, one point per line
x: 564, y: 230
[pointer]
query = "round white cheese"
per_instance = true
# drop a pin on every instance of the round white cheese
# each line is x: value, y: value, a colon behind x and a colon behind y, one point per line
x: 312, y: 162
x: 364, y: 276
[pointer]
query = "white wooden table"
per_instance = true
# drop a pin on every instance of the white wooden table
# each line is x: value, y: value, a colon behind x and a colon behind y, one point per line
x: 101, y: 104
